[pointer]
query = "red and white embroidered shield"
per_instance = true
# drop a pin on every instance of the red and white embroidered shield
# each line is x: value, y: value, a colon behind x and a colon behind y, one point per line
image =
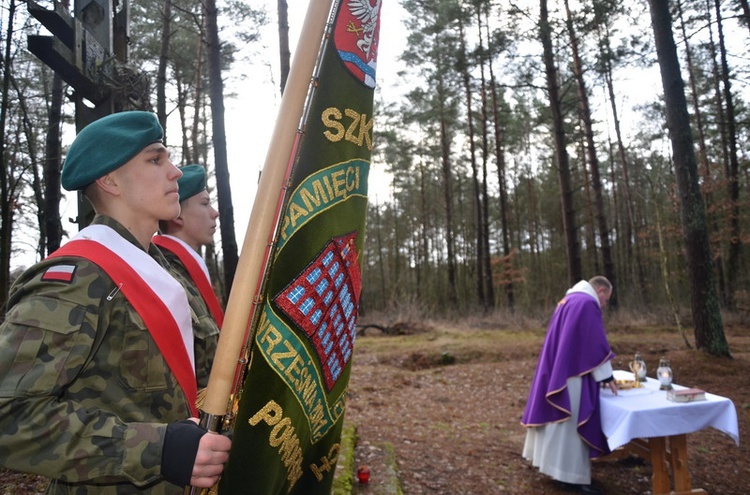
x: 356, y: 38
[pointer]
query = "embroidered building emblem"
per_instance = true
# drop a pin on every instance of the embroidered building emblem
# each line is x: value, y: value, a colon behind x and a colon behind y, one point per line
x: 323, y: 301
x: 356, y: 37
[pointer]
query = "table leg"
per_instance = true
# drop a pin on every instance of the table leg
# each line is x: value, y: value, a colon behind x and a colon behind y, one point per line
x: 659, y: 465
x: 678, y: 450
x: 667, y: 461
x: 678, y: 457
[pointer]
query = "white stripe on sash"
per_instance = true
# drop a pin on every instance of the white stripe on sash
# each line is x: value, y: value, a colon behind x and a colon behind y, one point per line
x: 164, y: 285
x: 198, y: 259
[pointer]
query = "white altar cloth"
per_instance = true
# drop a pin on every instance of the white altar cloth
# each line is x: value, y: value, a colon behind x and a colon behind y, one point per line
x: 646, y: 412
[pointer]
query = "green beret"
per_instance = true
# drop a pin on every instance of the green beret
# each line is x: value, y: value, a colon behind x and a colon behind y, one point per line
x: 107, y: 144
x: 192, y: 182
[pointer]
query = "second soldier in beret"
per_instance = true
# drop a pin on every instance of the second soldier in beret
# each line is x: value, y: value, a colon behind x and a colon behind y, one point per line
x: 97, y: 364
x: 182, y: 238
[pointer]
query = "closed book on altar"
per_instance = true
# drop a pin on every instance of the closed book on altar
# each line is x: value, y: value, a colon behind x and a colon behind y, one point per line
x: 686, y: 395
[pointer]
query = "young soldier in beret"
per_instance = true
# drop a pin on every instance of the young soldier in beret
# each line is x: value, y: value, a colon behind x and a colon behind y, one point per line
x: 97, y: 373
x: 182, y: 237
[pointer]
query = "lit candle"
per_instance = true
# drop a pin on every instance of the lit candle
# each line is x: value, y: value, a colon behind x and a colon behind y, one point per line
x: 363, y: 474
x: 664, y: 374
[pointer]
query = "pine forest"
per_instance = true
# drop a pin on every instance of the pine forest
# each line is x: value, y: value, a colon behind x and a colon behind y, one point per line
x: 525, y: 145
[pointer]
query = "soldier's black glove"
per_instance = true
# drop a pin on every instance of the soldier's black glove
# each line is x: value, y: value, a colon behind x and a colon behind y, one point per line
x: 179, y: 451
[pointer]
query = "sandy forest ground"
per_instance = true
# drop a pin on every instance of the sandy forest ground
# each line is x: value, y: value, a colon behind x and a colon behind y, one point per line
x: 448, y: 398
x: 445, y: 399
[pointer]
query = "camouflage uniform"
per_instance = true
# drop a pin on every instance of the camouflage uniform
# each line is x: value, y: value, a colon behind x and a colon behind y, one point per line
x: 85, y: 394
x: 206, y: 330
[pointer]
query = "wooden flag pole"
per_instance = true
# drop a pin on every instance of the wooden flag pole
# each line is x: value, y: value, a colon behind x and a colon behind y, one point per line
x: 263, y: 220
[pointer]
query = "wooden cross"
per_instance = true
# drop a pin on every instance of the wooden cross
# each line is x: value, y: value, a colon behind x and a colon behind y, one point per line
x: 90, y: 52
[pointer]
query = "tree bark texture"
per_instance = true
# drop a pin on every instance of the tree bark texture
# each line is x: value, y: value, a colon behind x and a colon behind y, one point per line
x: 284, y: 53
x: 709, y: 331
x: 53, y: 167
x: 707, y: 186
x: 224, y: 192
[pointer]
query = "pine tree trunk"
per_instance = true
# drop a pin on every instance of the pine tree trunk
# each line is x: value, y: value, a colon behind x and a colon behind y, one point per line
x: 161, y: 71
x: 214, y: 272
x: 196, y: 137
x: 6, y: 219
x: 707, y: 187
x: 477, y: 194
x: 588, y: 207
x: 284, y: 53
x: 735, y: 246
x: 631, y: 238
x: 502, y: 184
x: 381, y: 249
x: 450, y: 241
x: 709, y: 331
x: 33, y: 164
x: 53, y: 167
x: 489, y: 300
x: 596, y: 181
x: 422, y: 250
x: 721, y: 117
x: 575, y: 272
x: 224, y: 192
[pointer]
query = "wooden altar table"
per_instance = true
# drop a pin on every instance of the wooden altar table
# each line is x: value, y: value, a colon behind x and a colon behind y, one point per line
x: 643, y: 421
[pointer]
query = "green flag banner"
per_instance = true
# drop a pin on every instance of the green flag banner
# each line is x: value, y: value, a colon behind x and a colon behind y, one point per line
x: 291, y: 408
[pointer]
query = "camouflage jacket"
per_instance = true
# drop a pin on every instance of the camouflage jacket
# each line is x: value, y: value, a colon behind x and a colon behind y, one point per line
x: 205, y: 339
x: 85, y: 394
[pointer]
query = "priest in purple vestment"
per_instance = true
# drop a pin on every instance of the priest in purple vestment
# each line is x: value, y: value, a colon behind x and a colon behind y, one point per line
x: 563, y: 427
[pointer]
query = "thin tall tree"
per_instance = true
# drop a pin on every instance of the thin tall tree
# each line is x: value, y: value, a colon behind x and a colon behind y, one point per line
x: 463, y: 67
x: 729, y: 128
x: 6, y: 221
x: 224, y: 191
x: 593, y: 161
x: 496, y: 97
x: 53, y: 167
x: 703, y: 157
x: 161, y: 70
x: 575, y: 271
x: 488, y: 281
x: 284, y: 53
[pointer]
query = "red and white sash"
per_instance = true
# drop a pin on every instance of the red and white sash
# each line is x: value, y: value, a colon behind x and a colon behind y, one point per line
x: 196, y: 267
x: 157, y: 297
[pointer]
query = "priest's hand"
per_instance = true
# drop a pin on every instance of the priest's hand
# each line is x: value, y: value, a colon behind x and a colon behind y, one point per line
x: 611, y: 385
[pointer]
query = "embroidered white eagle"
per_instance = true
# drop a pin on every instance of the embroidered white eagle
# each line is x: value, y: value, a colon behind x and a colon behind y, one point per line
x: 367, y: 15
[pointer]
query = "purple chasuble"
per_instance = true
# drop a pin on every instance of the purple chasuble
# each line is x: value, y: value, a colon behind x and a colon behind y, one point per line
x: 575, y: 345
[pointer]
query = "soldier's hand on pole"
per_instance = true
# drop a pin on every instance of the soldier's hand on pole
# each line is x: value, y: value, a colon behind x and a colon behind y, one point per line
x: 213, y: 453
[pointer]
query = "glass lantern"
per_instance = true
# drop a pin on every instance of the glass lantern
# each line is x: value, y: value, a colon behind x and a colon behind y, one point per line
x: 664, y: 374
